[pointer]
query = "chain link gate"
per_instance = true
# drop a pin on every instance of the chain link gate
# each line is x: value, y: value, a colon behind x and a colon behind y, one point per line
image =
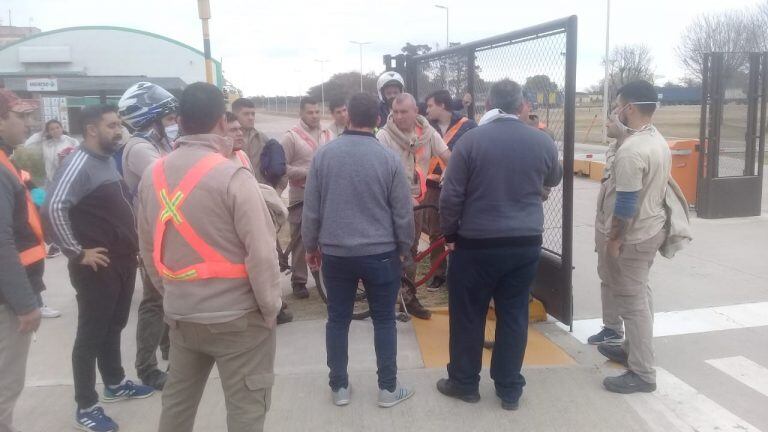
x: 542, y: 59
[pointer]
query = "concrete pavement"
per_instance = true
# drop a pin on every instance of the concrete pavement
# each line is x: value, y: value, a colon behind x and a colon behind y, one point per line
x: 710, y: 380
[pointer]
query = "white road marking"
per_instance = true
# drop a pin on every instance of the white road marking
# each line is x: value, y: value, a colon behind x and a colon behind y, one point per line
x: 689, y: 321
x: 676, y: 406
x: 745, y: 371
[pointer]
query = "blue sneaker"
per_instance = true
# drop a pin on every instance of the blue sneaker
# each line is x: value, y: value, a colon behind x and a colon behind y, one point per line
x: 94, y: 421
x: 128, y: 390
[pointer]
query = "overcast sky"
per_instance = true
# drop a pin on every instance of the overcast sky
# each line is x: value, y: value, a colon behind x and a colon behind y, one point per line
x: 269, y: 47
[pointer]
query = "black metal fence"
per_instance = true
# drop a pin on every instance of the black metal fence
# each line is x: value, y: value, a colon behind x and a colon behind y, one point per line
x: 733, y: 130
x: 542, y: 59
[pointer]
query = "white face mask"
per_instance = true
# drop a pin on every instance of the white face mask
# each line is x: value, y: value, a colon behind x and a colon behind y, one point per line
x: 172, y: 131
x: 626, y: 130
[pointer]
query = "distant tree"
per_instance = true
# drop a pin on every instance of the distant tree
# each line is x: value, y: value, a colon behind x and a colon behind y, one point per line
x: 732, y: 32
x: 414, y: 50
x: 628, y: 63
x: 690, y: 82
x: 344, y: 85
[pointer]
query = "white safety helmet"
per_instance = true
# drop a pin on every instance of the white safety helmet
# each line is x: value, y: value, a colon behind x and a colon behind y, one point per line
x: 389, y: 78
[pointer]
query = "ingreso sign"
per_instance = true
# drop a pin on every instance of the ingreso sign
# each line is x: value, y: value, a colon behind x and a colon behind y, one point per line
x: 42, y: 85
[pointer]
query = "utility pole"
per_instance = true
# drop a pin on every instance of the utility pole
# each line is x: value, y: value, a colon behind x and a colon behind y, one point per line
x: 322, y: 83
x: 360, y: 44
x: 605, y: 77
x: 204, y: 11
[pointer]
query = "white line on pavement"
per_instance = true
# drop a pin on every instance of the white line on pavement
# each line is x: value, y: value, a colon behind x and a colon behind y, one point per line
x: 689, y: 321
x: 679, y: 407
x: 745, y: 371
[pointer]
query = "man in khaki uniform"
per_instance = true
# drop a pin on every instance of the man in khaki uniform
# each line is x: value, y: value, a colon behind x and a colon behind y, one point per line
x: 300, y: 144
x: 245, y: 110
x: 217, y: 267
x: 613, y: 325
x: 642, y: 169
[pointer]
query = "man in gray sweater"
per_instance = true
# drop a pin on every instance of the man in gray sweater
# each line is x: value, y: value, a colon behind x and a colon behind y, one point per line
x: 358, y: 212
x: 491, y: 213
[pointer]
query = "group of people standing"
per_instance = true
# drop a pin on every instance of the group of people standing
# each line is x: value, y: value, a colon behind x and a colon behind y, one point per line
x: 195, y: 195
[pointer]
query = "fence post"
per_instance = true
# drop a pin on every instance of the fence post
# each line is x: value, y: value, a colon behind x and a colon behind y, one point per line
x: 471, y: 71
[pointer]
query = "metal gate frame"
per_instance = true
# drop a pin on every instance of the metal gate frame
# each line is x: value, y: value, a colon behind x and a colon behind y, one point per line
x: 737, y: 196
x: 553, y: 284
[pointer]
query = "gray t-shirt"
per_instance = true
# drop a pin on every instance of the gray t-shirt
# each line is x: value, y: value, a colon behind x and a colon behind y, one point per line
x: 643, y: 163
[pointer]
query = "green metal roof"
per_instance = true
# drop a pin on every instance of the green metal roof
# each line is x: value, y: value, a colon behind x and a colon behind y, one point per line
x: 217, y: 64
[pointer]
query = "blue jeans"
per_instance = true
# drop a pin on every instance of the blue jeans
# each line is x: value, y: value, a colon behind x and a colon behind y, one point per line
x: 476, y: 276
x: 381, y: 277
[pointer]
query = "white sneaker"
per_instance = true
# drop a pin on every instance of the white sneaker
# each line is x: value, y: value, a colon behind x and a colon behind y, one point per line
x: 389, y: 399
x: 47, y: 312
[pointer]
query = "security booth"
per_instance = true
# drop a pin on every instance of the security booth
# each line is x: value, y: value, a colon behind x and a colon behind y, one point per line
x: 733, y: 121
x: 541, y: 58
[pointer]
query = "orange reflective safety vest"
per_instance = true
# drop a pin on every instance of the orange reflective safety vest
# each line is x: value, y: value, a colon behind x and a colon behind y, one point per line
x: 214, y: 265
x: 435, y: 162
x: 243, y: 158
x: 36, y: 252
x: 325, y: 133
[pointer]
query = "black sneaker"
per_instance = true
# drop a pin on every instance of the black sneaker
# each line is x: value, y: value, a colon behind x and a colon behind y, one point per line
x: 628, y: 383
x: 448, y: 388
x: 300, y: 291
x: 508, y: 404
x: 614, y: 353
x: 155, y: 379
x: 285, y: 316
x: 606, y: 335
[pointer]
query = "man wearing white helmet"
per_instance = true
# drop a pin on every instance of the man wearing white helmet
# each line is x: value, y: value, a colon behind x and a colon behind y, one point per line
x: 150, y: 111
x: 390, y: 84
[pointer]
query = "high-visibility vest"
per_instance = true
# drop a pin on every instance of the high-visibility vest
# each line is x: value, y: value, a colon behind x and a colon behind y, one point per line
x: 325, y: 136
x: 435, y: 161
x: 35, y: 252
x: 244, y: 161
x: 421, y: 177
x: 214, y: 265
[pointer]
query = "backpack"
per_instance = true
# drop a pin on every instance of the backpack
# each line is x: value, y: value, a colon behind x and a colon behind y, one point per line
x: 272, y: 161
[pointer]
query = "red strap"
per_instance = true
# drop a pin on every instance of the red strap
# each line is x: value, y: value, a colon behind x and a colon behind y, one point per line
x: 308, y: 139
x: 36, y: 252
x: 214, y: 265
x: 244, y: 160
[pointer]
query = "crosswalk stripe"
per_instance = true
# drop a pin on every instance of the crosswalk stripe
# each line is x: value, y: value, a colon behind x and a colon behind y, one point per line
x: 679, y: 407
x: 689, y: 321
x: 745, y: 371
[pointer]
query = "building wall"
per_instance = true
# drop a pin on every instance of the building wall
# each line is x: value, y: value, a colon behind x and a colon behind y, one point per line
x: 107, y: 51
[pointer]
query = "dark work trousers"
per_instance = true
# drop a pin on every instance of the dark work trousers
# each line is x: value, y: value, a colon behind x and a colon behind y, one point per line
x: 381, y: 277
x: 476, y: 276
x: 103, y: 304
x: 151, y: 330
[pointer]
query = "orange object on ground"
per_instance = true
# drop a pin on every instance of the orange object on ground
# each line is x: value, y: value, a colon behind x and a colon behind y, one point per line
x: 433, y: 334
x: 685, y: 166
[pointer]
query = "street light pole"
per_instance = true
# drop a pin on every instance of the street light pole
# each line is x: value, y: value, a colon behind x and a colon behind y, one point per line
x: 447, y: 26
x: 605, y: 77
x: 360, y: 44
x: 322, y: 83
